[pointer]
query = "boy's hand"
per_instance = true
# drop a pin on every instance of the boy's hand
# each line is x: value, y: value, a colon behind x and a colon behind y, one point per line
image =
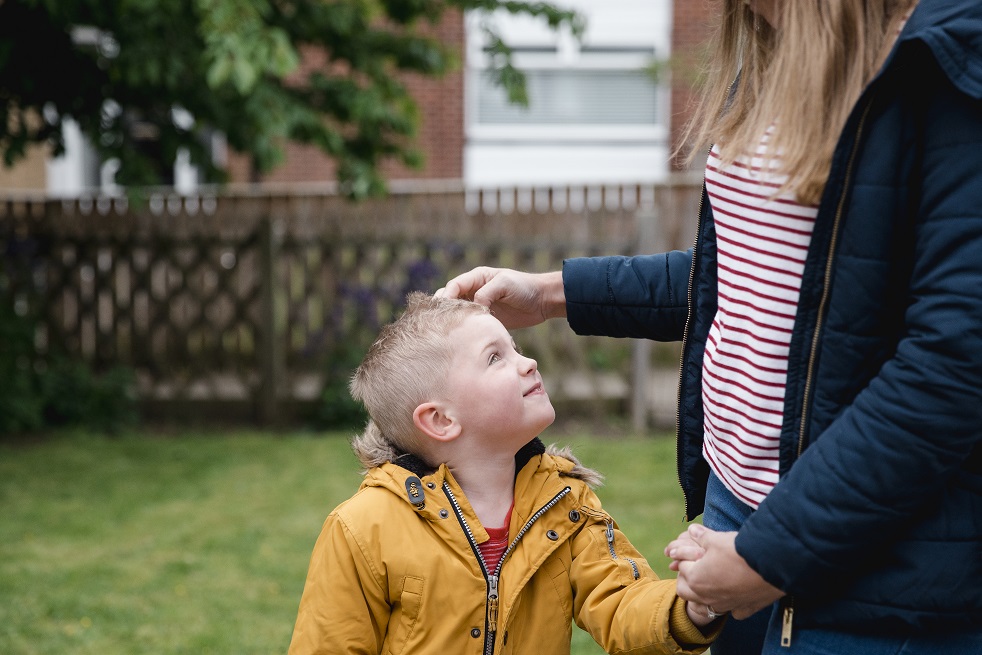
x: 699, y: 614
x: 516, y: 299
x: 684, y: 548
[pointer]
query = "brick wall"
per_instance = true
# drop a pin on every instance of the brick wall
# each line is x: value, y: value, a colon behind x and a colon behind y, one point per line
x: 441, y: 127
x: 28, y: 174
x: 691, y: 28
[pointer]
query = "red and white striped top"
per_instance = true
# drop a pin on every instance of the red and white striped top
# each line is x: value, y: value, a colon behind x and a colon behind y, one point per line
x: 762, y: 241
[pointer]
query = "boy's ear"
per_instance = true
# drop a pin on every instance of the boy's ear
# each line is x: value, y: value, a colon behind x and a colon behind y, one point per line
x: 433, y: 421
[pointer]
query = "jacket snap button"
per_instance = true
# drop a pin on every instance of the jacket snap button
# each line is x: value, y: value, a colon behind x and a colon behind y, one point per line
x: 475, y: 633
x: 574, y: 516
x: 430, y: 485
x: 444, y: 513
x: 552, y: 535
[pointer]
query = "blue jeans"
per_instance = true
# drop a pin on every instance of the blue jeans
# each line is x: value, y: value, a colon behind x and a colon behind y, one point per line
x: 725, y: 512
x: 814, y: 641
x: 760, y: 634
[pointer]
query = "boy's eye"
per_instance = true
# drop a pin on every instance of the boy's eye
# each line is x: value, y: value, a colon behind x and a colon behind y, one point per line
x: 494, y: 358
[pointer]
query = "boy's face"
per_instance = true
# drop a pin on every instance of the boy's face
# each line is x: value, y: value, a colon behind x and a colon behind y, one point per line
x: 495, y: 391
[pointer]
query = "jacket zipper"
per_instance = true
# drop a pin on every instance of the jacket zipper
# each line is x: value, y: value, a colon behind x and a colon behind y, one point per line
x: 685, y: 341
x: 788, y: 605
x: 609, y: 531
x: 491, y: 616
x: 787, y: 618
x: 688, y: 319
x: 827, y: 280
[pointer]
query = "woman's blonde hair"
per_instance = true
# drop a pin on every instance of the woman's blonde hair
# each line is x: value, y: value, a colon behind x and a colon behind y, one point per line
x: 404, y: 368
x: 804, y: 77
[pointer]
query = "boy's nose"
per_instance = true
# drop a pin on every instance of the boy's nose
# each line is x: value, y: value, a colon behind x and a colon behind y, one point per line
x: 528, y: 364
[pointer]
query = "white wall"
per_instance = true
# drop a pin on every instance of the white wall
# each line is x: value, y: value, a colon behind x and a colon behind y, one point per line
x: 70, y: 174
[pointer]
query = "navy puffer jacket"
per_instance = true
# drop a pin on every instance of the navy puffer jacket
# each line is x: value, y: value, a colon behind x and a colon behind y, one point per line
x: 876, y: 524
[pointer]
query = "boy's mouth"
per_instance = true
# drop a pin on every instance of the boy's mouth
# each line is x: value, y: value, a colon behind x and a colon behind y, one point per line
x: 535, y: 388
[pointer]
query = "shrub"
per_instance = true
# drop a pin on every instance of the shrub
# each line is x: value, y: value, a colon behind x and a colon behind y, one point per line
x: 21, y: 405
x: 74, y: 395
x: 53, y: 390
x: 337, y: 410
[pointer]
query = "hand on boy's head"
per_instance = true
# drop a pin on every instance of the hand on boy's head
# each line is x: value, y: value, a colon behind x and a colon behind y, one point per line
x: 516, y: 298
x: 466, y: 285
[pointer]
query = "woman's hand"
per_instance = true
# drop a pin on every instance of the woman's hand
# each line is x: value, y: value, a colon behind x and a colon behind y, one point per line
x: 516, y: 299
x: 719, y: 577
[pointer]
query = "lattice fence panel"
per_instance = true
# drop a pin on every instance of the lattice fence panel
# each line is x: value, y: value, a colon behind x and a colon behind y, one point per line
x: 250, y: 298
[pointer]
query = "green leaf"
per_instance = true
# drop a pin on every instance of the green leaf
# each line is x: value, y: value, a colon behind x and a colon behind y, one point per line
x: 235, y: 66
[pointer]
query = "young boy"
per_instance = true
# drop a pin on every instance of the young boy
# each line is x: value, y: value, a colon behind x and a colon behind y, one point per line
x: 467, y: 535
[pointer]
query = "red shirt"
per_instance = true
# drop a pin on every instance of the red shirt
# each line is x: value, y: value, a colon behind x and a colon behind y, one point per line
x: 495, y: 547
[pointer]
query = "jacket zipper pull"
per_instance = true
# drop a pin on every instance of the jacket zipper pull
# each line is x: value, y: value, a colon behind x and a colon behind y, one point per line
x: 610, y: 534
x: 492, y: 604
x: 786, y: 626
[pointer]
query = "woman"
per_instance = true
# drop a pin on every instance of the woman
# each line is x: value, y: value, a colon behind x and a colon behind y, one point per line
x: 830, y: 414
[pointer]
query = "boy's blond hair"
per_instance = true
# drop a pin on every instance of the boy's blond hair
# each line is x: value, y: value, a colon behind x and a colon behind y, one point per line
x: 804, y: 77
x: 405, y: 367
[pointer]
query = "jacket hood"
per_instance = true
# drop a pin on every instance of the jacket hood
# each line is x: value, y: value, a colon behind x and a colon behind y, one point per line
x: 952, y: 30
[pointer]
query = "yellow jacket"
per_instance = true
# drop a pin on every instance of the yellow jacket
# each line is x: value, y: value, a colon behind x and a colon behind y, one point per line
x: 390, y: 576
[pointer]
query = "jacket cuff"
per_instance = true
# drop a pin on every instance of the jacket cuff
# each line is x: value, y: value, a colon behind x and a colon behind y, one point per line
x: 642, y: 297
x: 585, y: 286
x: 763, y: 534
x: 686, y: 633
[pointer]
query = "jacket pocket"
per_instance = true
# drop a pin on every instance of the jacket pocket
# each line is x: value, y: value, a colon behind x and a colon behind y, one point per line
x: 559, y: 576
x: 404, y: 616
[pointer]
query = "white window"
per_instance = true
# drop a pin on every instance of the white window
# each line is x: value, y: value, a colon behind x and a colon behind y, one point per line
x: 594, y: 114
x: 573, y: 96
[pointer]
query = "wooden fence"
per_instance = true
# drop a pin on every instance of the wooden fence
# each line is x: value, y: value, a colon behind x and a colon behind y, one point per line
x: 240, y: 303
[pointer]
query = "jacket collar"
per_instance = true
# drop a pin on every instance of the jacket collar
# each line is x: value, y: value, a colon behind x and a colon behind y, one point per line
x: 418, y: 467
x: 952, y: 30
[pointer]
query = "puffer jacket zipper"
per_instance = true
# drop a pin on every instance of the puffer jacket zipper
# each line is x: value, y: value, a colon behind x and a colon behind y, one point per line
x: 684, y: 353
x: 823, y: 304
x: 787, y: 605
x: 688, y: 321
x: 491, y: 614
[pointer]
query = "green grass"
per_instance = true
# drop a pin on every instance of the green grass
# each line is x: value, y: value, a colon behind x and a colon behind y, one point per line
x: 198, y: 542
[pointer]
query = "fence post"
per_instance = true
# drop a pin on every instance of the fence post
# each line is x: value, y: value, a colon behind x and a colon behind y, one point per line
x: 649, y: 241
x: 270, y: 347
